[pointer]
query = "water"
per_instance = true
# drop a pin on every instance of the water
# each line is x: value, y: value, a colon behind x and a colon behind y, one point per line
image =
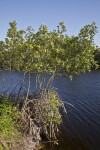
x: 81, y: 125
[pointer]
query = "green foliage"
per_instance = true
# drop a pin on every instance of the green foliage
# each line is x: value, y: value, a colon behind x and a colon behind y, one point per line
x: 8, y: 117
x: 51, y: 109
x: 97, y: 55
x: 1, y: 148
x: 3, y: 56
x: 14, y: 43
x: 10, y: 143
x: 88, y: 32
x: 49, y: 51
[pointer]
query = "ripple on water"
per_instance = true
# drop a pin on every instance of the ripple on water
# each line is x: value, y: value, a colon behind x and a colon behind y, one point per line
x: 81, y: 126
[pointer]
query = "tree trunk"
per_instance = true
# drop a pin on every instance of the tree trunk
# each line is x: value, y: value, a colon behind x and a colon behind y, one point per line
x: 28, y: 87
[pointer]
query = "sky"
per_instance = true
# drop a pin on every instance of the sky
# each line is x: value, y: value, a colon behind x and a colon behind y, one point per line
x: 74, y: 13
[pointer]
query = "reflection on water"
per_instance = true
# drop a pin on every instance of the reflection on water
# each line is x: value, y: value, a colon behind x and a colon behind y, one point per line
x: 81, y: 126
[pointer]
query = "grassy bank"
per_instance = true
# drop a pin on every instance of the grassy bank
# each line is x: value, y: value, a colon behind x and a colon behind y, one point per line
x: 8, y: 128
x: 12, y: 136
x: 23, y: 123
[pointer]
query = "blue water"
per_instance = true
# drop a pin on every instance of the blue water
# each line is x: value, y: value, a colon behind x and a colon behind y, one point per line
x: 81, y: 125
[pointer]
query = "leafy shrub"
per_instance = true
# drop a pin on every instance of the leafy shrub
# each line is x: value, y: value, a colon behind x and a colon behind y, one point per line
x: 8, y: 116
x: 53, y: 106
x: 1, y: 148
x: 50, y: 111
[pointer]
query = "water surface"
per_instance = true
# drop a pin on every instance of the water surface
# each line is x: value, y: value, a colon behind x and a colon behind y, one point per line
x: 81, y: 125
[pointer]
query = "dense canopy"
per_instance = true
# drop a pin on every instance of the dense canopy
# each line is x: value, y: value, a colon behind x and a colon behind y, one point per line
x: 47, y: 51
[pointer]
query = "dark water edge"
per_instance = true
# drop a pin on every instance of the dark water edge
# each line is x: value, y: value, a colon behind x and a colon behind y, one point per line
x: 81, y: 125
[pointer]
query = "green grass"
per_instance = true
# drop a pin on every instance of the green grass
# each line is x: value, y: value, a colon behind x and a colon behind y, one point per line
x: 8, y: 116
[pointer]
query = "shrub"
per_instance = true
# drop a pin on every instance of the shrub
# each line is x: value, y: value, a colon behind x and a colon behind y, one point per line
x: 8, y: 117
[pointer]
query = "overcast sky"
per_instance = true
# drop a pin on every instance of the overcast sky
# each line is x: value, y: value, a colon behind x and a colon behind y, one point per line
x: 74, y: 13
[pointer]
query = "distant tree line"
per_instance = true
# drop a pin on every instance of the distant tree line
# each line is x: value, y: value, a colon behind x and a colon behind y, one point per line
x: 97, y: 55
